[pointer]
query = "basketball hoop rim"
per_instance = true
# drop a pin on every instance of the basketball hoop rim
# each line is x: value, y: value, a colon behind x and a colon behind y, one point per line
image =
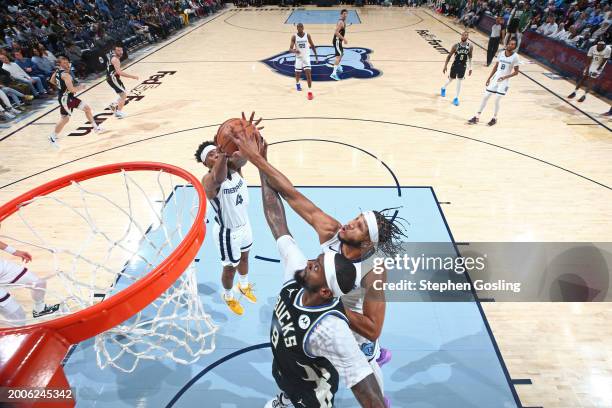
x: 121, y: 306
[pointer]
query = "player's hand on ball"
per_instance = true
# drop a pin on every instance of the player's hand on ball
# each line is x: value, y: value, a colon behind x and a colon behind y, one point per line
x: 25, y: 256
x: 257, y: 122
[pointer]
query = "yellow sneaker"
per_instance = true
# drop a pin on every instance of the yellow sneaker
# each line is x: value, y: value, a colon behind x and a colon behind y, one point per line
x: 234, y: 305
x: 247, y: 292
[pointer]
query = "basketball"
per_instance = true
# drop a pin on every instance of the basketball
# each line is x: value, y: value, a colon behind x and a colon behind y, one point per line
x: 234, y: 126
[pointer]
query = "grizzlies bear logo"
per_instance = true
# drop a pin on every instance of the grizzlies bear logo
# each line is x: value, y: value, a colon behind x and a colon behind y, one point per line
x: 355, y: 64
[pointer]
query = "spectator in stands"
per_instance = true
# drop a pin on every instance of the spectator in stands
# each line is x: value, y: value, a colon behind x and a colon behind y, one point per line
x: 43, y: 64
x: 17, y: 98
x: 562, y: 34
x: 48, y: 55
x: 549, y: 28
x: 34, y: 83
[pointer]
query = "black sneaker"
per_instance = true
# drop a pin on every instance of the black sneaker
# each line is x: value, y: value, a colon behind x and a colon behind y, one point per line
x: 582, y: 98
x: 47, y: 310
x: 492, y: 122
x: 570, y: 96
x: 473, y: 121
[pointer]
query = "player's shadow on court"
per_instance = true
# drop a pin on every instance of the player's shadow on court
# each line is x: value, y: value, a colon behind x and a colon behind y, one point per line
x: 248, y: 371
x: 455, y: 375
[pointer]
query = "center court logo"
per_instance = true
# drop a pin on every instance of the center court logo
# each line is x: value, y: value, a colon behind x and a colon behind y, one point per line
x: 355, y: 64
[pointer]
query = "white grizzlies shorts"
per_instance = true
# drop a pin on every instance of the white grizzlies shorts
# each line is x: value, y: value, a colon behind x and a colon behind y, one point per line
x: 370, y: 349
x: 302, y: 62
x: 232, y: 242
x: 500, y: 88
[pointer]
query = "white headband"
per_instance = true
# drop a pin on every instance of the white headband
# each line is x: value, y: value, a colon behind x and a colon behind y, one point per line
x: 370, y: 220
x: 207, y: 150
x: 330, y: 273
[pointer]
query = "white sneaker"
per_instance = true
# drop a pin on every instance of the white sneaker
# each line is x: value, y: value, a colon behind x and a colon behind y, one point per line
x: 15, y: 111
x: 279, y: 402
x: 8, y: 115
x: 98, y: 129
x: 120, y: 114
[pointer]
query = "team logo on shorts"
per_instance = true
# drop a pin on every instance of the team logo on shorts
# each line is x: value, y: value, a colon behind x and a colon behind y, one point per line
x: 367, y: 349
x: 355, y: 64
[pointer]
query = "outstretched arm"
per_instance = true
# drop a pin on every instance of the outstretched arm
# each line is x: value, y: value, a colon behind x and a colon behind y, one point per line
x: 25, y: 256
x: 325, y: 225
x: 117, y: 64
x: 274, y: 210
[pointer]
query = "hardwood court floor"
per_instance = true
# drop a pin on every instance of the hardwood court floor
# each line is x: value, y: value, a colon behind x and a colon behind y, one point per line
x: 542, y: 174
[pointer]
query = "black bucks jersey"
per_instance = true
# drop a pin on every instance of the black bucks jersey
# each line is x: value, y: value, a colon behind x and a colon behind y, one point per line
x: 111, y: 74
x: 462, y: 53
x: 67, y: 101
x: 310, y: 382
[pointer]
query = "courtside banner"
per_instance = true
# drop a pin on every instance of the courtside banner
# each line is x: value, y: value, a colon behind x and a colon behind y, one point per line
x: 493, y: 271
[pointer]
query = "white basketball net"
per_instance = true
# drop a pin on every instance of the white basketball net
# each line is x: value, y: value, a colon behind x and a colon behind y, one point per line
x: 96, y: 237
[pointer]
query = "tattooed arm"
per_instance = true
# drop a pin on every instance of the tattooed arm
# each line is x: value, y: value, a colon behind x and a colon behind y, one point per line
x: 273, y: 206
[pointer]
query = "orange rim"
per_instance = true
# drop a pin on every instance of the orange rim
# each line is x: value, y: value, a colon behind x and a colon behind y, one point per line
x: 121, y: 306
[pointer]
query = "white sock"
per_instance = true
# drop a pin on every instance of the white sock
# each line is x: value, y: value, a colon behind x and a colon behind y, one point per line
x: 228, y: 294
x: 243, y: 280
x: 39, y: 307
x: 458, y: 88
x: 483, y: 103
x: 335, y: 69
x: 497, y: 102
x: 447, y: 83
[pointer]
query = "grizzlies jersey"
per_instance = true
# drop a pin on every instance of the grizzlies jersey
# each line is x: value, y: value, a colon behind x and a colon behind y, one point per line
x: 231, y: 202
x: 302, y: 45
x: 462, y: 53
x: 308, y: 380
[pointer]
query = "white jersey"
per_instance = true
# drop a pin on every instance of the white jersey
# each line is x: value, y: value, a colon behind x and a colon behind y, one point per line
x: 354, y: 299
x: 599, y: 57
x: 302, y: 45
x: 505, y: 64
x: 231, y: 202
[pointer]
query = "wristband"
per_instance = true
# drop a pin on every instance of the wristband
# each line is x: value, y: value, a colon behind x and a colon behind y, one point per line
x: 10, y: 250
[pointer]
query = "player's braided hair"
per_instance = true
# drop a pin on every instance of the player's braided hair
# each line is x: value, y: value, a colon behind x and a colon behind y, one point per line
x: 201, y: 147
x: 391, y: 229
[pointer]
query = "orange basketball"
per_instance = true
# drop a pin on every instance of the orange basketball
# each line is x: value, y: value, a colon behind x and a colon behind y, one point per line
x: 234, y: 126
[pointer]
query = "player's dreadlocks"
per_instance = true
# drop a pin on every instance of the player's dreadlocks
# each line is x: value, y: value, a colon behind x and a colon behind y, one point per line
x: 390, y: 231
